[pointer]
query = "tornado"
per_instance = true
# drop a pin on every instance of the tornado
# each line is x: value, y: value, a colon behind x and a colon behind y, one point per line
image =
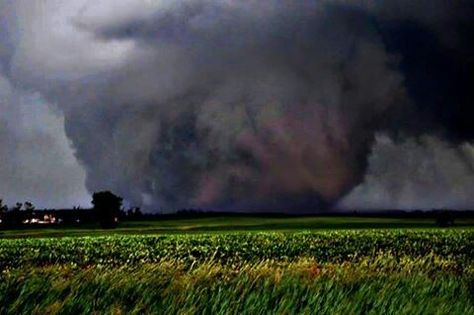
x: 240, y: 105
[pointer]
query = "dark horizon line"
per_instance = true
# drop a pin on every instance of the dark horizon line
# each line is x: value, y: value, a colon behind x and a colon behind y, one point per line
x: 269, y: 212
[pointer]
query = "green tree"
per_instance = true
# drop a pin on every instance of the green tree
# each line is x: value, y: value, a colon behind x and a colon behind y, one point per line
x: 107, y: 208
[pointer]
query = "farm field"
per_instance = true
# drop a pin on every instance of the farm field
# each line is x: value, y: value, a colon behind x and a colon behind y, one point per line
x: 407, y: 267
x: 230, y: 224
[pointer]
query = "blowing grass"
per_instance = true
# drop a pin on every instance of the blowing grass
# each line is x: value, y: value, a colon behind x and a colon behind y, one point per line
x: 326, y: 272
x: 383, y: 284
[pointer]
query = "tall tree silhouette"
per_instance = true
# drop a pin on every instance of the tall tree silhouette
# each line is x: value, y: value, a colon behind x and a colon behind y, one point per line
x: 107, y: 208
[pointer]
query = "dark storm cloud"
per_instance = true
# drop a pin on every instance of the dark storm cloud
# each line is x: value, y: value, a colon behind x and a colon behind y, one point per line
x: 434, y: 40
x: 242, y: 104
x: 246, y: 102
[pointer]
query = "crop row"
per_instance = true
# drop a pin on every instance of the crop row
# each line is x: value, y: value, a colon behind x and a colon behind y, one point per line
x: 327, y: 246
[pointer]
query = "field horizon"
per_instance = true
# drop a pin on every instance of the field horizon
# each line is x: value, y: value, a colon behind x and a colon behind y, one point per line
x: 219, y: 223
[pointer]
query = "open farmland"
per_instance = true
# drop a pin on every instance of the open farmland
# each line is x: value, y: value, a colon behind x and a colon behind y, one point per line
x: 397, y: 271
x: 237, y: 223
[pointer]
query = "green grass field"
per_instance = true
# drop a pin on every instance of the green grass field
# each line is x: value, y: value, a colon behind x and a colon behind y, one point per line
x: 241, y: 265
x: 234, y: 224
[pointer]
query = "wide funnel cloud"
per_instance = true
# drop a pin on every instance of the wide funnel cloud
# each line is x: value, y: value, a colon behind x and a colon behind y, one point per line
x: 229, y: 104
x: 238, y: 103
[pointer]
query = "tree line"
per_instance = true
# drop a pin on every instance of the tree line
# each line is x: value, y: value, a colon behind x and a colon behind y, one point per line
x: 107, y: 211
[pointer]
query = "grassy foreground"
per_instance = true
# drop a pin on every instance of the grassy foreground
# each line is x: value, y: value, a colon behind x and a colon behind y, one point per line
x: 390, y: 271
x: 381, y: 285
x: 325, y: 272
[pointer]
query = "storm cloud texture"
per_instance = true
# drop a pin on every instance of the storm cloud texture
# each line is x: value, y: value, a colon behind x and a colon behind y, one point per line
x: 265, y: 105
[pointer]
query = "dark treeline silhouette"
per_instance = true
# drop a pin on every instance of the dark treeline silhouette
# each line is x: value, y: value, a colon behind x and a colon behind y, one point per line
x: 108, y: 211
x: 415, y: 214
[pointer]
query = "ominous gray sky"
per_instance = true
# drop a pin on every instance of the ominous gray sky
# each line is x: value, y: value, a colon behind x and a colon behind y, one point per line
x: 36, y: 159
x: 273, y: 105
